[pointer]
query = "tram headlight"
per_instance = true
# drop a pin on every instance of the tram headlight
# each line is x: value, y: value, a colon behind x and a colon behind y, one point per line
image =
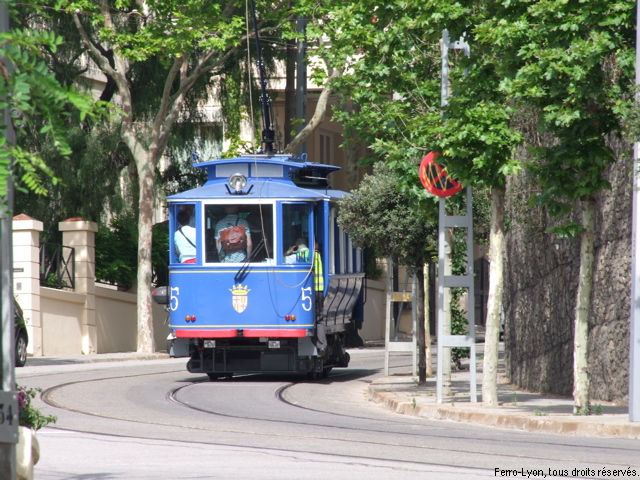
x: 237, y: 182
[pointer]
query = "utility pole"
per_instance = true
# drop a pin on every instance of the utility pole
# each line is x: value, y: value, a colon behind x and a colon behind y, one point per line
x: 8, y: 397
x: 445, y: 279
x: 634, y: 327
x: 301, y: 78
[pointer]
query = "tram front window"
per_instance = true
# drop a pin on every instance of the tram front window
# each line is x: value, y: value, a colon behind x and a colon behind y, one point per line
x: 236, y: 233
x: 295, y: 218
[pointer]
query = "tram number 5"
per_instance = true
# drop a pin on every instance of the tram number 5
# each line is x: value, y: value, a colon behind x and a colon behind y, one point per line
x: 305, y: 296
x: 173, y: 298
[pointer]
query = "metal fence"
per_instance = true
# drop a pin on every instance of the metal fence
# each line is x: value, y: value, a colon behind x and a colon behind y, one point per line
x: 57, y: 266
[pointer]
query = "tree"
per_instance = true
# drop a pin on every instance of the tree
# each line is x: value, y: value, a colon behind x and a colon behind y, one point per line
x: 97, y: 180
x: 571, y: 64
x: 190, y: 40
x: 478, y: 142
x: 188, y: 44
x: 566, y: 63
x: 382, y: 217
x: 392, y: 55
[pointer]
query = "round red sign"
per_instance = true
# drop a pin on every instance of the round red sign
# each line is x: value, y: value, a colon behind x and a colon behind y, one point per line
x: 434, y: 178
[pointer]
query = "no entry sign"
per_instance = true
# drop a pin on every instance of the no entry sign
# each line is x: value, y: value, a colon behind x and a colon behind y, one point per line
x: 435, y: 179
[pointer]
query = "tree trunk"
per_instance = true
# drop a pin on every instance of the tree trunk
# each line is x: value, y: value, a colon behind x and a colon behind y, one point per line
x: 146, y: 176
x: 583, y: 306
x: 494, y: 304
x: 419, y: 302
x: 317, y: 118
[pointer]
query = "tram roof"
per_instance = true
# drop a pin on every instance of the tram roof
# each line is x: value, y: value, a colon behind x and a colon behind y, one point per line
x: 268, y: 176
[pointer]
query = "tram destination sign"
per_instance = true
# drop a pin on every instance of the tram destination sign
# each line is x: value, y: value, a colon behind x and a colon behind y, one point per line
x: 435, y: 179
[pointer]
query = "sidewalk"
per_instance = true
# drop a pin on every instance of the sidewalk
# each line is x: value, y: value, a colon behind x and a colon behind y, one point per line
x: 518, y: 409
x: 92, y: 358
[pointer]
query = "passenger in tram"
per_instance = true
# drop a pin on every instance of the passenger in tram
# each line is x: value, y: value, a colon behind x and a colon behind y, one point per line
x: 233, y: 236
x: 184, y: 238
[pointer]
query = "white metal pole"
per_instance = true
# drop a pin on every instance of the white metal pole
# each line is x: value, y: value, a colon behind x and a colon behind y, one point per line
x: 634, y: 328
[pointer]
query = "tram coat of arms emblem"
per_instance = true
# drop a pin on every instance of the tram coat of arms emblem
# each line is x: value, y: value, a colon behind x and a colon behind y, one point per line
x: 239, y: 297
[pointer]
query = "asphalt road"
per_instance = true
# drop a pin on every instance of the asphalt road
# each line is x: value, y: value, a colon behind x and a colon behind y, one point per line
x: 154, y: 420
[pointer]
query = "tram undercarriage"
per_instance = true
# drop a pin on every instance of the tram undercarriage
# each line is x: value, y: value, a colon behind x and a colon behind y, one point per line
x: 224, y: 358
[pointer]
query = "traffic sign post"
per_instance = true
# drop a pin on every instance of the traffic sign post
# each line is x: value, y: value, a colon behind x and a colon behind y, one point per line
x: 438, y: 182
x: 445, y: 339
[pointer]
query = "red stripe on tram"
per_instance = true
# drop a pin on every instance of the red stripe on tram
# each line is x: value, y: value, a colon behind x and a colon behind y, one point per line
x: 282, y: 332
x: 188, y: 333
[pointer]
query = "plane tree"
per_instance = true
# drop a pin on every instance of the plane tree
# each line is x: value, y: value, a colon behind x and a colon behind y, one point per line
x: 391, y: 56
x: 571, y: 66
x: 565, y: 65
x: 191, y: 41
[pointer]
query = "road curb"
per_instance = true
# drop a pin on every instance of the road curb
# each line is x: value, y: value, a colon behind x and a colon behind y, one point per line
x: 593, y: 426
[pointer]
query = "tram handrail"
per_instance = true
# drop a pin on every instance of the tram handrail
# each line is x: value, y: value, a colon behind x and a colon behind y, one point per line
x: 244, y: 269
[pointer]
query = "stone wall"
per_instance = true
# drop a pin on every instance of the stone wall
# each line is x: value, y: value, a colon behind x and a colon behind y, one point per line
x: 541, y: 279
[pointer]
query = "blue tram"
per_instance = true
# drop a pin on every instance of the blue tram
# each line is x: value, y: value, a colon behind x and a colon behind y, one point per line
x: 261, y: 277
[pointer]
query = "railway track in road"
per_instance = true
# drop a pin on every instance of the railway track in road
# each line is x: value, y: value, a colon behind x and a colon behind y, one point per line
x: 283, y: 420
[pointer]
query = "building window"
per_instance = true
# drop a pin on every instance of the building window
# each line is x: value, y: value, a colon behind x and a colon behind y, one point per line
x: 326, y: 148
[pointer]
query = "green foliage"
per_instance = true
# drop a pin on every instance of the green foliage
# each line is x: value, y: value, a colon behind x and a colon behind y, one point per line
x: 160, y: 254
x: 30, y: 416
x: 37, y: 103
x: 54, y: 281
x: 567, y: 64
x: 87, y: 182
x: 117, y: 253
x: 571, y: 61
x: 379, y: 216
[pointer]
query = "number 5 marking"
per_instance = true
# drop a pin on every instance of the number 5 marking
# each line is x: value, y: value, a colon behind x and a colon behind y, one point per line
x: 173, y: 299
x: 306, y: 298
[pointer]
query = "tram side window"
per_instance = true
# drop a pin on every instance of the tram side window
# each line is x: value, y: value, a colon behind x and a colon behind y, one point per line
x: 184, y: 235
x: 254, y: 246
x: 295, y: 233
